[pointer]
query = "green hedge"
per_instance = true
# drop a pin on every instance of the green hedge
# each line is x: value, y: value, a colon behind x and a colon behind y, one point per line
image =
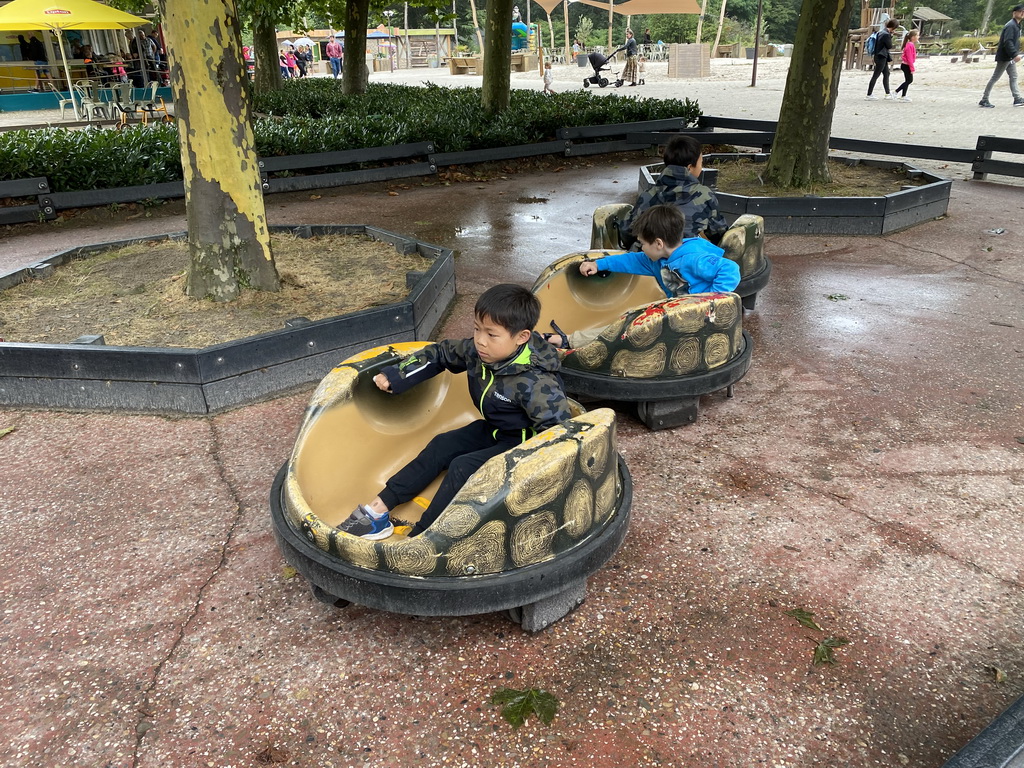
x: 314, y: 116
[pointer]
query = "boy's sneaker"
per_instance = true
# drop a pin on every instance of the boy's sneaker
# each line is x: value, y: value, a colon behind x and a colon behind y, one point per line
x: 905, y: 98
x: 986, y: 104
x: 888, y: 97
x: 869, y: 97
x: 1018, y: 102
x: 364, y: 525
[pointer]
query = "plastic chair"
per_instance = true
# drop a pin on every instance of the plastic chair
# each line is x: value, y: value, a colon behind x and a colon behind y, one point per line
x: 149, y: 106
x: 62, y: 102
x: 89, y: 100
x: 123, y: 102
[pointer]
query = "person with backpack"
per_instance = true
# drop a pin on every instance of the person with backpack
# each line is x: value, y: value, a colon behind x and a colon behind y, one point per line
x: 882, y: 57
x: 1007, y: 56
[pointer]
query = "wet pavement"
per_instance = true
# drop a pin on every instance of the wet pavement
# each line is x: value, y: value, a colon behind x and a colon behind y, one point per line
x: 868, y: 470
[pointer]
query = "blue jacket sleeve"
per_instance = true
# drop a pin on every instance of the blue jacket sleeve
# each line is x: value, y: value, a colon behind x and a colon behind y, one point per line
x: 727, y: 276
x: 631, y: 262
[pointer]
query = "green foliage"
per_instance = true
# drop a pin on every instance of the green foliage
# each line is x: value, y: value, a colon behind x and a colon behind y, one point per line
x: 322, y: 119
x: 518, y: 705
x: 92, y: 158
x: 315, y: 116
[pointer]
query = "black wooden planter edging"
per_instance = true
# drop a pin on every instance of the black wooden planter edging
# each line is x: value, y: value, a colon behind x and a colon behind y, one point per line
x: 97, y: 377
x: 1000, y: 745
x: 834, y: 215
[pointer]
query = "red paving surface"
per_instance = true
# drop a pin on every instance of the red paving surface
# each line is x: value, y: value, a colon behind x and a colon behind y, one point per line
x: 869, y: 470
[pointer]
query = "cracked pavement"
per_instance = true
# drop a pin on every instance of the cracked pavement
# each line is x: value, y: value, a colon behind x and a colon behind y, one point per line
x: 869, y: 470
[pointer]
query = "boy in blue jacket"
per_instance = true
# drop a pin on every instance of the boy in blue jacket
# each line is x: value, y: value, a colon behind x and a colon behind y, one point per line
x: 681, y: 266
x: 513, y: 377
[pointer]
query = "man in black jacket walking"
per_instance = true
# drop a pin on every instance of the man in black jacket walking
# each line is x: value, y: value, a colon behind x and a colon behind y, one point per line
x: 1007, y: 56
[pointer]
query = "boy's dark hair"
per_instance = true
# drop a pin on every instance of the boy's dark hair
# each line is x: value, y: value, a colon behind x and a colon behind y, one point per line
x: 511, y: 306
x: 682, y: 150
x: 660, y: 221
x: 891, y: 24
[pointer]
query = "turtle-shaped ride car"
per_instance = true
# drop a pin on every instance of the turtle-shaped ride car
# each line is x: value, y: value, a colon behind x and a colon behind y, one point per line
x: 662, y: 354
x: 743, y: 242
x: 522, y: 535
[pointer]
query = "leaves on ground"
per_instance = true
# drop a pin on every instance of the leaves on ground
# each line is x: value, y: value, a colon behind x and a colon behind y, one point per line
x: 838, y: 297
x: 288, y: 572
x: 824, y: 652
x: 518, y: 705
x: 806, y: 618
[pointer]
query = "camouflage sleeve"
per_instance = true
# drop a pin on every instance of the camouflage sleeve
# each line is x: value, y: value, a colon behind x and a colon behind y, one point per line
x: 448, y: 355
x: 703, y: 213
x: 644, y: 201
x: 545, y: 402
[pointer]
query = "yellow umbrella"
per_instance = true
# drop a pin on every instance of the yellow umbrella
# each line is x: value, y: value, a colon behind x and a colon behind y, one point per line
x: 62, y: 15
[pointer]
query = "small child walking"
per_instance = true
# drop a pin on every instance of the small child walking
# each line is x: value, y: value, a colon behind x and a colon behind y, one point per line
x: 907, y: 63
x: 641, y: 68
x: 549, y: 78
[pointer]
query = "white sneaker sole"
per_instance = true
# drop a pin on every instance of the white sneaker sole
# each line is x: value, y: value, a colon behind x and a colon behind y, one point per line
x: 380, y: 534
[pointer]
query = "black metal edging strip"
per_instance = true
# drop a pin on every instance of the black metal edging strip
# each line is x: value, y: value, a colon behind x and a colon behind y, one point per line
x: 347, y: 178
x: 164, y: 191
x: 621, y: 129
x: 345, y: 157
x: 512, y: 152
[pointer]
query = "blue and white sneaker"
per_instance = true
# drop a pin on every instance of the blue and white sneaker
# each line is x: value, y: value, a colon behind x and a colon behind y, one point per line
x: 364, y: 525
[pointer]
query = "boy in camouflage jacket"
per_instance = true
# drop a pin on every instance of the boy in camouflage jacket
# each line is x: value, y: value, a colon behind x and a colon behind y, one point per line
x: 679, y: 186
x: 514, y: 380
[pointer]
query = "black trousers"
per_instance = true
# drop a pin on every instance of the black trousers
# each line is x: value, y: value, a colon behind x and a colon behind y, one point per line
x: 908, y: 78
x: 881, y: 68
x: 461, y: 451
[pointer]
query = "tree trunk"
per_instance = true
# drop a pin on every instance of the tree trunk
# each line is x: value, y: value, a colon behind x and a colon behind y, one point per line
x: 476, y: 27
x: 228, y: 238
x: 718, y: 34
x: 265, y: 51
x: 354, y: 76
x: 800, y: 152
x: 700, y: 21
x: 497, y: 57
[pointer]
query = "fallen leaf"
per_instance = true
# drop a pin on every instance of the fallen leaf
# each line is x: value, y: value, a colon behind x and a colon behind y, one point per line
x: 392, y: 194
x: 518, y: 705
x: 824, y: 652
x: 288, y: 572
x: 805, y: 618
x: 6, y: 431
x: 315, y: 197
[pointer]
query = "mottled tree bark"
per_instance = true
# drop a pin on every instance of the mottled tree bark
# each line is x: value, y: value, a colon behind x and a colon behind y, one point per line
x: 497, y: 56
x: 266, y: 51
x: 229, y: 242
x: 800, y: 152
x: 354, y: 77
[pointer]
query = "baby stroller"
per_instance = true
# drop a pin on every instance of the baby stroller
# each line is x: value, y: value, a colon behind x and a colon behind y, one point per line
x: 598, y: 62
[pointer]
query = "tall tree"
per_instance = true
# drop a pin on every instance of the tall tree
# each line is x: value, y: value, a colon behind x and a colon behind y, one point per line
x: 497, y: 56
x: 800, y: 152
x: 228, y: 238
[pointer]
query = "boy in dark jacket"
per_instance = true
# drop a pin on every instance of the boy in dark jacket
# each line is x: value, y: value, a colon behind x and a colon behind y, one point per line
x: 514, y: 381
x: 679, y: 185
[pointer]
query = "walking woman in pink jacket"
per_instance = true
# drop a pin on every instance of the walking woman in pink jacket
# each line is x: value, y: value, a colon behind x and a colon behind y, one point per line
x: 907, y: 65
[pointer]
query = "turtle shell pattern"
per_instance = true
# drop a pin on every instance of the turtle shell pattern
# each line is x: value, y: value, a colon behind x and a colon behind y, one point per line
x: 672, y: 337
x: 522, y: 507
